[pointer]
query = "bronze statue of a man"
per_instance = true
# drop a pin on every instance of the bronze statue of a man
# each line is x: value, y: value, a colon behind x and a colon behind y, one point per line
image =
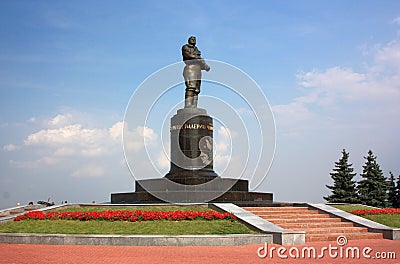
x: 192, y: 72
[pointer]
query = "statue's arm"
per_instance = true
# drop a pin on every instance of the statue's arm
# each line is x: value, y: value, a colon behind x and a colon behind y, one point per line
x: 194, y: 56
x: 204, y: 65
x: 189, y: 55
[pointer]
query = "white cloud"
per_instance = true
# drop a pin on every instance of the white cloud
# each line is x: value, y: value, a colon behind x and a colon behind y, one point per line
x: 65, y: 144
x: 65, y: 151
x: 224, y: 140
x: 11, y: 147
x: 50, y: 160
x: 91, y: 152
x: 222, y: 151
x: 340, y: 93
x: 24, y: 164
x: 387, y: 57
x: 147, y: 133
x: 163, y: 160
x: 35, y: 164
x: 396, y: 20
x: 73, y: 139
x: 293, y: 112
x: 332, y: 84
x: 68, y: 135
x: 116, y: 130
x: 61, y: 120
x: 339, y: 85
x: 89, y: 171
x: 135, y: 140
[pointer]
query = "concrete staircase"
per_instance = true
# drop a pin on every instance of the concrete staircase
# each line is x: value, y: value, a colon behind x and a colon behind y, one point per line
x: 10, y: 213
x: 317, y: 226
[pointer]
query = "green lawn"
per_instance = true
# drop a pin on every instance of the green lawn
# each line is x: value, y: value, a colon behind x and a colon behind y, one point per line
x: 128, y: 228
x: 349, y: 208
x: 385, y: 219
x: 163, y: 227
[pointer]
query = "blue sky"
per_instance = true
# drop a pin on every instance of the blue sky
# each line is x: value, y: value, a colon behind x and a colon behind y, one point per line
x: 330, y: 71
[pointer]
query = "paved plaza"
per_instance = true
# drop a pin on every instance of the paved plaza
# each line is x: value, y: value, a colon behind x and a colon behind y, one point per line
x: 17, y: 253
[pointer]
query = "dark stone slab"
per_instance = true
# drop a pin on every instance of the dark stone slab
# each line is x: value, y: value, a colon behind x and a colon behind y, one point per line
x: 217, y: 184
x: 235, y: 197
x: 220, y: 190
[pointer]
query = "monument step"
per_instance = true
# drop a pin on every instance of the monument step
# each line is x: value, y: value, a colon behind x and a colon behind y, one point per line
x: 3, y: 214
x: 330, y: 230
x: 276, y: 208
x: 287, y: 211
x: 316, y: 225
x: 349, y: 236
x: 278, y: 221
x: 292, y: 216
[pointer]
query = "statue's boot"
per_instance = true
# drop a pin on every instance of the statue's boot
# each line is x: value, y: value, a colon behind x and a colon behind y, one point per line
x: 194, y: 101
x: 188, y: 99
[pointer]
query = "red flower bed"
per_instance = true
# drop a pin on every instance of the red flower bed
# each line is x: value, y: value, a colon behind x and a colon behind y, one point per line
x: 390, y: 211
x: 131, y: 216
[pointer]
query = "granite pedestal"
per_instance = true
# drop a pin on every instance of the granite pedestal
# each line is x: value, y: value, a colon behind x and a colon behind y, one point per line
x: 191, y: 147
x: 191, y: 178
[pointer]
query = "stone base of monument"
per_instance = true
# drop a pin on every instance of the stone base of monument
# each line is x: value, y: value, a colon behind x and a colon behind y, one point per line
x: 217, y: 184
x: 191, y: 178
x: 218, y: 190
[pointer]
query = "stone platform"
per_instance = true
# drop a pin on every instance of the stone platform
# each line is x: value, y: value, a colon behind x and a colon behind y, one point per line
x: 218, y: 190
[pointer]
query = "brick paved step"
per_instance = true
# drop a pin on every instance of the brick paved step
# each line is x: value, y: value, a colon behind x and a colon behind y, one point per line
x: 2, y: 214
x: 315, y: 225
x: 278, y: 221
x: 297, y: 212
x: 349, y: 236
x: 293, y: 216
x: 330, y: 230
x: 279, y: 210
x: 283, y: 212
x: 275, y: 208
x: 17, y: 211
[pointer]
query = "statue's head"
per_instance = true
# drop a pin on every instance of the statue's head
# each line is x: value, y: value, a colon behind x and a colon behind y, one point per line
x: 192, y: 40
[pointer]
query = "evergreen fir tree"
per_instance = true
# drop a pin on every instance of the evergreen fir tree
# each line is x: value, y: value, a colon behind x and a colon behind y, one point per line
x: 344, y: 188
x: 372, y: 189
x: 398, y: 193
x: 392, y: 191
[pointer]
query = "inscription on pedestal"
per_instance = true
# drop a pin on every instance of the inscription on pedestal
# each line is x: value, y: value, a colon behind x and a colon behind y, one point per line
x: 192, y: 126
